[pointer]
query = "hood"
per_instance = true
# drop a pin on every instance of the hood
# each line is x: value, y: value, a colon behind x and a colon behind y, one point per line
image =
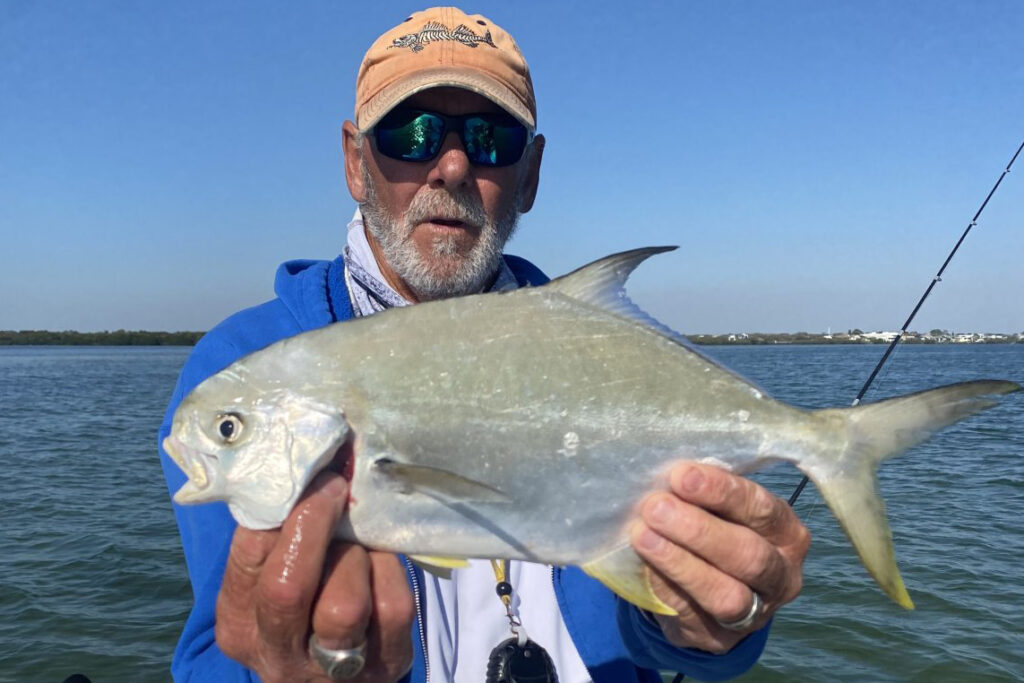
x: 313, y: 291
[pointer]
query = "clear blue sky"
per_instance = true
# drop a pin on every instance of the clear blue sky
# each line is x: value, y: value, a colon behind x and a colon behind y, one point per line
x: 814, y: 160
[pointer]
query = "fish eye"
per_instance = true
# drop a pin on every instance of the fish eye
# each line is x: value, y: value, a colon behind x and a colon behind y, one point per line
x: 229, y: 426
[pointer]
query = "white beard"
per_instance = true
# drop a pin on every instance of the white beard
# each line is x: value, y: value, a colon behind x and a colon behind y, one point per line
x: 443, y: 272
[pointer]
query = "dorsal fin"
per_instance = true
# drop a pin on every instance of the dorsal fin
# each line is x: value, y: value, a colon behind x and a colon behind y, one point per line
x: 602, y: 284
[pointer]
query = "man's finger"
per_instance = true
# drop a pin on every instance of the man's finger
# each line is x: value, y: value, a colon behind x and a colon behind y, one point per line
x: 343, y: 609
x: 291, y: 574
x: 394, y: 610
x: 718, y: 594
x: 365, y: 600
x: 246, y: 557
x: 734, y: 549
x: 738, y: 500
x: 235, y: 625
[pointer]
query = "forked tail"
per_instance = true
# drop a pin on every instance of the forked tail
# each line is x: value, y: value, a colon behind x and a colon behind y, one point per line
x: 871, y: 433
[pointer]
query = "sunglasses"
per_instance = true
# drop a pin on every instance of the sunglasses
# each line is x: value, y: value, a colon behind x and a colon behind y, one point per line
x: 489, y: 138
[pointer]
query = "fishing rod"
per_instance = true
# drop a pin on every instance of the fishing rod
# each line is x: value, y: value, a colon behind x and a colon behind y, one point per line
x: 935, y: 280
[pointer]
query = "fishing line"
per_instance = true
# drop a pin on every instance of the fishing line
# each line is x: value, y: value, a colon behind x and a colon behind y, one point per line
x: 935, y: 280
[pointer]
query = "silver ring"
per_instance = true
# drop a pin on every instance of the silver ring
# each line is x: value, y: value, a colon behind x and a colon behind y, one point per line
x: 756, y: 608
x: 338, y: 664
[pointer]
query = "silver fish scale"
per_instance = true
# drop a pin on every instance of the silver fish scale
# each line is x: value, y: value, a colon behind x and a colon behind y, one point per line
x: 533, y: 392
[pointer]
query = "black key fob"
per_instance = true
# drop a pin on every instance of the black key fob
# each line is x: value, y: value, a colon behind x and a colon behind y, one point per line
x: 510, y: 663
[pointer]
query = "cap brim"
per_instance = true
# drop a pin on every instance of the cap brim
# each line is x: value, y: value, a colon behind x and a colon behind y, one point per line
x: 467, y: 79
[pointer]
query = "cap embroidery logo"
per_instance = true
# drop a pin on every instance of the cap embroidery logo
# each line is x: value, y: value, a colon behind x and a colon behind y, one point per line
x: 433, y: 31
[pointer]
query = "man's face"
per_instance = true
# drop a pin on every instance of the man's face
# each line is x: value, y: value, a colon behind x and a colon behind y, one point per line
x: 438, y: 227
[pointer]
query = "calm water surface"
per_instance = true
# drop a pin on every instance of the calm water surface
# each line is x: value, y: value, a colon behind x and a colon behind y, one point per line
x: 92, y: 579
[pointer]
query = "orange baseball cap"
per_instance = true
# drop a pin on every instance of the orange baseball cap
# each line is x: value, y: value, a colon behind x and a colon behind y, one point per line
x: 444, y: 46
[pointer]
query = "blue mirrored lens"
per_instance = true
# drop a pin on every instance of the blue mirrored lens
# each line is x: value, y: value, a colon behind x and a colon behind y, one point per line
x: 493, y: 140
x: 490, y: 139
x: 410, y: 135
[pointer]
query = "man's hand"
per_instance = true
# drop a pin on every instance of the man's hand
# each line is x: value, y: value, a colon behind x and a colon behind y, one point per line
x: 709, y: 543
x: 281, y: 586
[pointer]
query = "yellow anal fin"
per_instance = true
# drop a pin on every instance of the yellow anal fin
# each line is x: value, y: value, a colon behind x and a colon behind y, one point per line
x: 623, y: 572
x: 439, y: 566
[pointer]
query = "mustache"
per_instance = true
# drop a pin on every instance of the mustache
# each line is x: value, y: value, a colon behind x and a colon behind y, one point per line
x: 461, y: 207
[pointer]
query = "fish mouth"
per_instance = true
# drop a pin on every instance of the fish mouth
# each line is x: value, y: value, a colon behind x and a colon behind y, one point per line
x: 191, y: 461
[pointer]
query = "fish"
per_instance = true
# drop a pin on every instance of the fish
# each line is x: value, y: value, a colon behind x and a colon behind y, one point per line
x: 434, y: 31
x: 528, y: 425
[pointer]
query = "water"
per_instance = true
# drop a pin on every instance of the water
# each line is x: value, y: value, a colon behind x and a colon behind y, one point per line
x: 92, y: 579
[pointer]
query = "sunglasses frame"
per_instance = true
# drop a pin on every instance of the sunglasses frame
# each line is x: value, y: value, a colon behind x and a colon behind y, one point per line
x: 456, y: 124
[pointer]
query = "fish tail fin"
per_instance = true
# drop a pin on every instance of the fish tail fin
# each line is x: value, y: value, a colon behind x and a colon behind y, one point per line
x: 875, y: 432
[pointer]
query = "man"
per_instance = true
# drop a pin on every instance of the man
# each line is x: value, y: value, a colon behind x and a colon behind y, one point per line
x: 442, y: 158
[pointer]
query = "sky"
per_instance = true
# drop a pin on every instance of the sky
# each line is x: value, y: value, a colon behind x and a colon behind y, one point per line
x: 815, y: 161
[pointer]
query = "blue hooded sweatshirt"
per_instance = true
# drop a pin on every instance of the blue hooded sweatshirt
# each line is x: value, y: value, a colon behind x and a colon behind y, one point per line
x: 615, y: 640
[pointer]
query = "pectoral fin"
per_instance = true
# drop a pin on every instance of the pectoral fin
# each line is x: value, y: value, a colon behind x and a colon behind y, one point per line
x: 623, y: 572
x: 439, y: 483
x: 439, y: 566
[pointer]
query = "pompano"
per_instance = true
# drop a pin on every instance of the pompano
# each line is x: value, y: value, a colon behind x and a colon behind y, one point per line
x: 527, y: 425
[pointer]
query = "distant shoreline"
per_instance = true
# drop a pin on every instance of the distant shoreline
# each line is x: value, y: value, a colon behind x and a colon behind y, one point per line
x: 805, y: 338
x: 150, y: 338
x: 115, y: 338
